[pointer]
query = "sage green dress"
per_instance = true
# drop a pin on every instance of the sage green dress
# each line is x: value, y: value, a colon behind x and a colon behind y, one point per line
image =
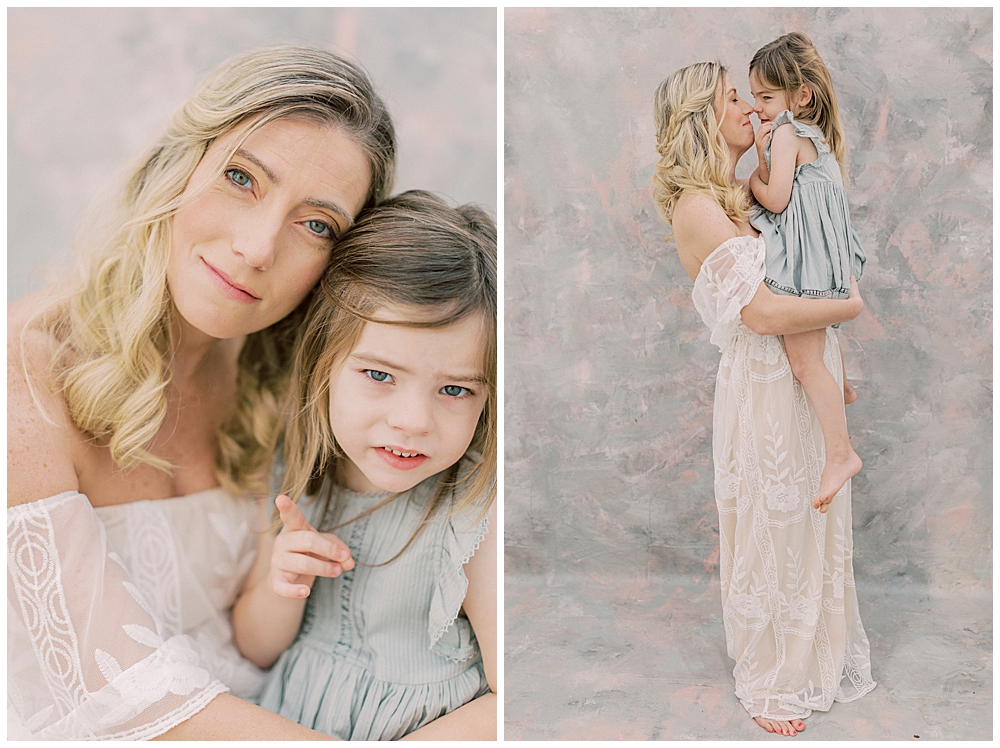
x: 382, y: 649
x: 812, y: 248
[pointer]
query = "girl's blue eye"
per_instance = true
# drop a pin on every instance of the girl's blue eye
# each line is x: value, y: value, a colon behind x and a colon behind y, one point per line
x: 238, y: 177
x: 378, y: 376
x: 319, y: 228
x: 453, y: 390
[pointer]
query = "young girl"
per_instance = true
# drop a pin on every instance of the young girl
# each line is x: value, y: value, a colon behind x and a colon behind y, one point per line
x: 812, y: 249
x: 393, y: 431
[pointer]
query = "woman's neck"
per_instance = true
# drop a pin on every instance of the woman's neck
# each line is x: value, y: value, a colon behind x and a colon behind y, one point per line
x: 734, y: 158
x: 194, y: 352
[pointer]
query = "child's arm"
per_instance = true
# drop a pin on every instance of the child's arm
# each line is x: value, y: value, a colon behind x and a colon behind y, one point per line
x: 773, y: 189
x: 476, y: 720
x: 267, y: 614
x: 760, y: 141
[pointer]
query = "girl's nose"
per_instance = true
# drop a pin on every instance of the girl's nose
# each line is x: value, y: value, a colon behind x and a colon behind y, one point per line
x: 411, y: 414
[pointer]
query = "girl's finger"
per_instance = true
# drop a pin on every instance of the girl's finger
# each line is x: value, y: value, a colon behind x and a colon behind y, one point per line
x: 298, y: 563
x: 322, y: 545
x: 282, y: 588
x: 291, y: 515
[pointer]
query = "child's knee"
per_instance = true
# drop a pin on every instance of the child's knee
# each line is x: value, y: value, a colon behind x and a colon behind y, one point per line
x: 803, y: 366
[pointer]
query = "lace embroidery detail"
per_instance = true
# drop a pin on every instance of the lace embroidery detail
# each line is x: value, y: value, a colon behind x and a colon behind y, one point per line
x: 790, y: 610
x: 33, y: 566
x: 96, y: 655
x: 152, y: 559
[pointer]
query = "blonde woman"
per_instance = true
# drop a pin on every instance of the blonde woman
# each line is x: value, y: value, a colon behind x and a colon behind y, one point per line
x: 789, y: 604
x: 143, y: 404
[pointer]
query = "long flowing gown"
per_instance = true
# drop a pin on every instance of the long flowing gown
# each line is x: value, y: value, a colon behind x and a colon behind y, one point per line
x: 118, y: 617
x: 790, y: 607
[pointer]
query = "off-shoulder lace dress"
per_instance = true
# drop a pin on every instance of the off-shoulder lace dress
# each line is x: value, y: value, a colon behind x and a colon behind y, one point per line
x: 789, y: 603
x: 382, y: 649
x: 118, y: 617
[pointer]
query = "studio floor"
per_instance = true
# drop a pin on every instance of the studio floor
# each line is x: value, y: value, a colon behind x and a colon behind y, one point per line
x: 595, y: 657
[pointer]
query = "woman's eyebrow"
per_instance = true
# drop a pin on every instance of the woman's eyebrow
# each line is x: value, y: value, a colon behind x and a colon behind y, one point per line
x: 332, y: 207
x: 260, y: 164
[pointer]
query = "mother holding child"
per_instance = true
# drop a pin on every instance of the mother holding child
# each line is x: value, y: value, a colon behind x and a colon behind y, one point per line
x: 770, y: 282
x: 257, y: 293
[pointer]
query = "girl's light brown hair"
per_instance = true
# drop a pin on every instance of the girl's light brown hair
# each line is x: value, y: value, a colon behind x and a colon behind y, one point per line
x: 694, y: 157
x: 792, y: 61
x: 114, y: 327
x: 412, y: 252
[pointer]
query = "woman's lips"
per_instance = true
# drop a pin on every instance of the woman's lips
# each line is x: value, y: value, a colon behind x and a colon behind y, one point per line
x: 398, y: 461
x: 228, y: 286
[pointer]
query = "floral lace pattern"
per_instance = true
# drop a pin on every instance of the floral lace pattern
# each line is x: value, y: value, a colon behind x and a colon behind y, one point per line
x: 87, y: 657
x: 790, y: 607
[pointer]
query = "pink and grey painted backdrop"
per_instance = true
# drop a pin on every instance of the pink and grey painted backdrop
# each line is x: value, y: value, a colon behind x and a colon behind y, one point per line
x: 613, y: 620
x: 87, y: 88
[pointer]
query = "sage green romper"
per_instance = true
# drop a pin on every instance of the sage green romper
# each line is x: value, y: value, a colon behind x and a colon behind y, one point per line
x: 382, y: 649
x: 811, y: 247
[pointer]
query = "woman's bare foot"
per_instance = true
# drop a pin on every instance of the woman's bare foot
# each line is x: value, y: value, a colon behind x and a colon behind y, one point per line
x: 836, y: 472
x: 782, y: 727
x: 849, y: 394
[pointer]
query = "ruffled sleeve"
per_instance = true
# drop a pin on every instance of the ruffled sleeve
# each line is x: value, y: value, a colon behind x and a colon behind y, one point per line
x: 802, y: 130
x: 451, y: 636
x: 86, y: 659
x: 726, y: 283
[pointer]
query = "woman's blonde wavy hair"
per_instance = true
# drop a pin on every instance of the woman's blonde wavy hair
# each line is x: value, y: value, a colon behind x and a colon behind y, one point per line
x: 792, y: 61
x: 114, y: 328
x: 413, y: 252
x: 694, y: 157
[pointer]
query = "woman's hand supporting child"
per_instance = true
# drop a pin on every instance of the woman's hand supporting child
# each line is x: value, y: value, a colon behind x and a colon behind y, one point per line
x: 283, y: 575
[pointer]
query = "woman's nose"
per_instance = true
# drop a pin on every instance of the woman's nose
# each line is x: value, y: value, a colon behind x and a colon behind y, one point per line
x: 257, y: 240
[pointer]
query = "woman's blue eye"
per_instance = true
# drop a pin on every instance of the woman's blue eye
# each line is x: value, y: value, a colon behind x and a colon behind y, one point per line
x: 453, y: 390
x: 378, y: 376
x: 238, y: 177
x: 319, y: 228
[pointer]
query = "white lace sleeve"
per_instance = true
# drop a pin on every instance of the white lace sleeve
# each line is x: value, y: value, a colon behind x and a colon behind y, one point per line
x: 726, y: 283
x: 86, y: 659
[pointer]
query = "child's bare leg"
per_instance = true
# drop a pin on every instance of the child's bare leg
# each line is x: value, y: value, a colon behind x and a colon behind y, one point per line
x: 805, y: 354
x: 849, y: 394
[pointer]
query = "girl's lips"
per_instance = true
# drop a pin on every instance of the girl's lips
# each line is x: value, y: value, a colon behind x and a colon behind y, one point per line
x: 228, y: 286
x: 399, y: 462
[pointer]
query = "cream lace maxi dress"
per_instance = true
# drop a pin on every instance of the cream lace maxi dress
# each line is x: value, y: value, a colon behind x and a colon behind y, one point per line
x: 789, y: 604
x: 118, y: 617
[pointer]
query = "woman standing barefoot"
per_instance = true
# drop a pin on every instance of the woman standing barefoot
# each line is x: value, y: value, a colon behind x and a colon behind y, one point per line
x: 789, y: 604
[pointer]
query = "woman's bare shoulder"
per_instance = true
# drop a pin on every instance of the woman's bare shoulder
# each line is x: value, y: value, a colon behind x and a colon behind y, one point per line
x: 700, y: 225
x: 40, y: 434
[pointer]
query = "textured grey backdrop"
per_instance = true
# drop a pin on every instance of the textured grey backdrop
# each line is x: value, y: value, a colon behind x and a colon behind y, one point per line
x: 613, y: 625
x: 87, y: 88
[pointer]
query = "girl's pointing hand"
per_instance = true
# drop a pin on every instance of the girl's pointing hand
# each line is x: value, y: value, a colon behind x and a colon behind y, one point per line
x: 301, y: 553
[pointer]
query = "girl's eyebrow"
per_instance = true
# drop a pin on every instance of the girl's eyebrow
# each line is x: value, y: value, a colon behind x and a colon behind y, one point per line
x: 312, y: 202
x: 367, y: 358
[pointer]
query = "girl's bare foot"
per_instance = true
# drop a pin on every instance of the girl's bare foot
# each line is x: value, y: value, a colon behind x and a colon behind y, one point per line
x: 836, y: 472
x: 782, y: 727
x: 849, y: 394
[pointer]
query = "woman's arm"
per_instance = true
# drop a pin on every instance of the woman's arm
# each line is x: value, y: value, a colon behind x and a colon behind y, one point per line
x: 700, y: 226
x: 40, y: 434
x: 771, y: 314
x: 229, y: 718
x: 476, y: 720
